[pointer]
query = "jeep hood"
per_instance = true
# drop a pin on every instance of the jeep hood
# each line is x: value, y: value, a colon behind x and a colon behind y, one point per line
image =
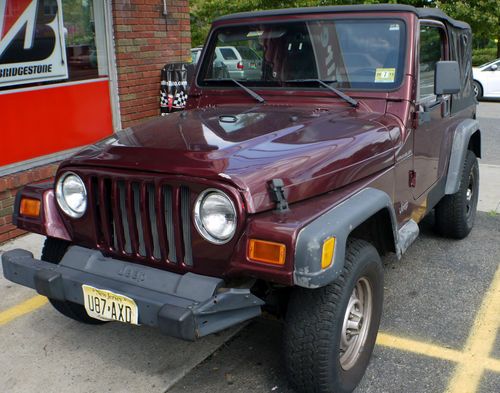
x: 312, y: 150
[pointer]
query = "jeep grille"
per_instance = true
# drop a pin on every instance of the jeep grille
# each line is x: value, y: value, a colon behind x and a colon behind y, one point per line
x: 143, y: 219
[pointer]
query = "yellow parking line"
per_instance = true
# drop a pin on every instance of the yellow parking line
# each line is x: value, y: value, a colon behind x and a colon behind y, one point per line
x: 492, y: 364
x: 434, y: 351
x: 422, y: 348
x: 22, y: 308
x: 472, y: 361
x: 480, y: 342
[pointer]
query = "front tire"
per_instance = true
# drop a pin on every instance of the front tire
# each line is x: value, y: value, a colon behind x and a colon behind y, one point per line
x: 53, y: 251
x: 330, y: 332
x: 455, y: 214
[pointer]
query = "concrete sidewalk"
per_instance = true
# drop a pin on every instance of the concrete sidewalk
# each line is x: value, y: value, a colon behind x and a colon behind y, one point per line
x: 489, y: 188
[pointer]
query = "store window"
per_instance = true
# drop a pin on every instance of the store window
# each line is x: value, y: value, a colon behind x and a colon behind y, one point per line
x: 53, y: 61
x: 85, y: 38
x: 51, y: 41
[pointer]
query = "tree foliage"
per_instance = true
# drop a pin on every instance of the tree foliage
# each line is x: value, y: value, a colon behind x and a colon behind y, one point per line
x: 482, y: 15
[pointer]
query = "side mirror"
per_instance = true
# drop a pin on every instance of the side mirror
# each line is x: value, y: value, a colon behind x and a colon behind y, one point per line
x: 447, y: 78
x: 494, y: 67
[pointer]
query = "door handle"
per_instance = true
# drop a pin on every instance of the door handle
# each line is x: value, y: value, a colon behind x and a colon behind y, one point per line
x: 423, y: 114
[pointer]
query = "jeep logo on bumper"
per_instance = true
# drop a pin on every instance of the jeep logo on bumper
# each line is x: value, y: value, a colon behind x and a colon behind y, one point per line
x: 132, y: 273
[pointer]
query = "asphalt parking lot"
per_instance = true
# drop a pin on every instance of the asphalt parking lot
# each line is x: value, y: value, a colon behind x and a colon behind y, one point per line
x: 439, y: 331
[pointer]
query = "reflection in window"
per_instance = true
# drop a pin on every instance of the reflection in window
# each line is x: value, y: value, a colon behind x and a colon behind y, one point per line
x: 367, y: 54
x: 85, y: 38
x: 84, y: 34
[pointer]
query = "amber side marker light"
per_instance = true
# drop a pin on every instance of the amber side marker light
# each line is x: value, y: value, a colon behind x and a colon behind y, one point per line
x: 327, y: 252
x: 29, y: 207
x: 267, y: 252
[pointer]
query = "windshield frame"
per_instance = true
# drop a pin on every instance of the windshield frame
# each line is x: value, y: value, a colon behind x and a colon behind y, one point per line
x: 211, y: 42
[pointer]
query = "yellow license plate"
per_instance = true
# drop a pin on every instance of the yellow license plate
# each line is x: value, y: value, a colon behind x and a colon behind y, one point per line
x: 109, y: 306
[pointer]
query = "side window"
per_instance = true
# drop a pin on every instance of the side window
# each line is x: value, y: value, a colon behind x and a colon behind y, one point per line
x: 228, y: 54
x: 431, y: 51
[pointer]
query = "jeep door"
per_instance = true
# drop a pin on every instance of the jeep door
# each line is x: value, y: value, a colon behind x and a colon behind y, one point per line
x: 433, y: 113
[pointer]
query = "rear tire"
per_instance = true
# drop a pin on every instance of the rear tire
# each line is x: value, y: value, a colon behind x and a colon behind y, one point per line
x: 330, y: 332
x: 53, y: 251
x: 478, y: 90
x: 455, y: 214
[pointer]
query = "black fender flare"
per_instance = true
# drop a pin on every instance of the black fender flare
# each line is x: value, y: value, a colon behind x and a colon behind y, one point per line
x: 338, y: 222
x: 461, y: 139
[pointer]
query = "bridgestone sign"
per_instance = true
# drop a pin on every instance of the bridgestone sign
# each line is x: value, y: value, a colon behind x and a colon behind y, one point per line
x: 32, y: 47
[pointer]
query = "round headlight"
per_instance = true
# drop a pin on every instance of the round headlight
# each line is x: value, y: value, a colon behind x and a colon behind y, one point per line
x: 215, y: 216
x: 71, y: 195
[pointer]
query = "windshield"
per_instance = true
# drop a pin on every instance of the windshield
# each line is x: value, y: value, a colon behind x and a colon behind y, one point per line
x: 357, y: 54
x: 489, y: 63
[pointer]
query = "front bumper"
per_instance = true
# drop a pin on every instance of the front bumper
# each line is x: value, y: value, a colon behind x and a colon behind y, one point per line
x: 186, y: 306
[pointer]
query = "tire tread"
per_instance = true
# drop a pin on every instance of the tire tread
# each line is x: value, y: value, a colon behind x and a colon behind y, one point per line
x: 307, y: 336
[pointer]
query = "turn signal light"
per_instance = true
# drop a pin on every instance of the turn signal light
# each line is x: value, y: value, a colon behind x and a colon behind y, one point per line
x: 327, y: 252
x: 29, y: 207
x: 267, y: 252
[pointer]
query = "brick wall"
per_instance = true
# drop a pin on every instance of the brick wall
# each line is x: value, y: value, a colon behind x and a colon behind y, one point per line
x: 9, y: 185
x: 145, y: 40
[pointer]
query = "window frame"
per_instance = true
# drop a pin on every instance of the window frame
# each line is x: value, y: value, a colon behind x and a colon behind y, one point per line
x: 431, y: 99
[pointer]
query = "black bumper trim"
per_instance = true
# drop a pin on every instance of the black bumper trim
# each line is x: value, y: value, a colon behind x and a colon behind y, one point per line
x: 185, y: 306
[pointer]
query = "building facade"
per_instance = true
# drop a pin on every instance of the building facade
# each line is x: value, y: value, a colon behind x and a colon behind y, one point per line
x: 73, y: 72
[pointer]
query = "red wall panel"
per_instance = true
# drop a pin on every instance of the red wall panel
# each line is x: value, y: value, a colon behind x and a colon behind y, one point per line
x: 50, y: 119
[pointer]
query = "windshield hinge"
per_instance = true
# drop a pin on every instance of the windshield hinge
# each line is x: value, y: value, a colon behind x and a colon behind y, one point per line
x: 278, y: 194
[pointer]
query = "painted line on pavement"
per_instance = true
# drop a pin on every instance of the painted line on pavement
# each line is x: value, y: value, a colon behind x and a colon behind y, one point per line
x: 480, y: 343
x: 472, y: 361
x: 21, y: 309
x: 433, y: 351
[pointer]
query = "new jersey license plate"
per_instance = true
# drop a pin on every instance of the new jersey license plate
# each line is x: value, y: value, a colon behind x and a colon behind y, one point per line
x: 109, y: 306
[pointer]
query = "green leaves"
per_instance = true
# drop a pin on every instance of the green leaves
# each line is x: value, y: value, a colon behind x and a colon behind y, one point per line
x: 482, y: 15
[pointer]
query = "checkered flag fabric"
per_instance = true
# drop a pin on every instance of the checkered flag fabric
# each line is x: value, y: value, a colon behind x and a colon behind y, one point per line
x: 163, y: 99
x: 180, y: 100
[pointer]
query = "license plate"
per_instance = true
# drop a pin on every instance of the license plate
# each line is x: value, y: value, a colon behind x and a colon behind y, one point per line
x: 109, y: 306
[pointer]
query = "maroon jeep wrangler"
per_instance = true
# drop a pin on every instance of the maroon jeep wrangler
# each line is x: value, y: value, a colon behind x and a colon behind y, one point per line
x: 278, y: 188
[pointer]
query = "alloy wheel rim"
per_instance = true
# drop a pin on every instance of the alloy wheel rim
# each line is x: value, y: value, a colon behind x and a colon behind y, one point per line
x: 356, y: 324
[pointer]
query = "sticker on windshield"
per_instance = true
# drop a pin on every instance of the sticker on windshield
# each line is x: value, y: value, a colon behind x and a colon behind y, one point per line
x: 385, y: 75
x: 394, y: 27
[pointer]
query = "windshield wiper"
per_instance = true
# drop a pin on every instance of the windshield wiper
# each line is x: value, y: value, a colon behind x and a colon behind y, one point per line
x: 248, y: 90
x: 340, y: 93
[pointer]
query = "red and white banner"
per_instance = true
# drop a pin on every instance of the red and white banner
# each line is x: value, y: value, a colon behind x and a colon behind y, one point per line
x: 32, y: 47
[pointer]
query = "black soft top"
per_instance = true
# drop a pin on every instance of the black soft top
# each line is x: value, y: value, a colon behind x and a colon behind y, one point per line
x: 423, y: 13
